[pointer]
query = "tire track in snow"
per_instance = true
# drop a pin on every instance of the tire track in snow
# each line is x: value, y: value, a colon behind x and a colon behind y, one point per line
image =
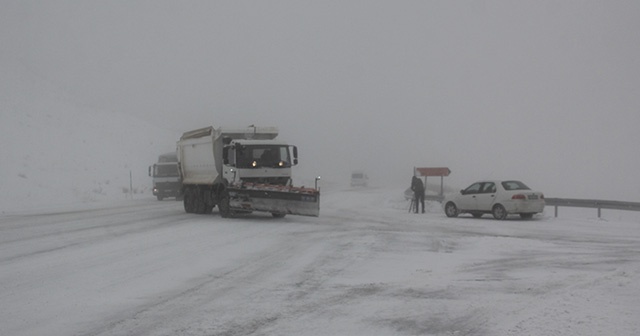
x: 171, y: 310
x: 61, y: 236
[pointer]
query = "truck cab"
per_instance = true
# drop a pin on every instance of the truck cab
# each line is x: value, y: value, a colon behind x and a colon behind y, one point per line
x: 259, y: 161
x: 166, y: 177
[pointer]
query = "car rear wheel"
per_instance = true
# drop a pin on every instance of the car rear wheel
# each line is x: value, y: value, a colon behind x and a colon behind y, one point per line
x: 499, y: 212
x: 526, y: 215
x: 451, y: 210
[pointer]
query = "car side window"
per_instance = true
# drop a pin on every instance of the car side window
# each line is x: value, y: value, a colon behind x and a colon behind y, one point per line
x: 473, y: 189
x: 488, y: 188
x: 514, y: 185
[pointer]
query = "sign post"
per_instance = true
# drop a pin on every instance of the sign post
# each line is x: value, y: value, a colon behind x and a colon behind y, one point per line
x: 433, y: 171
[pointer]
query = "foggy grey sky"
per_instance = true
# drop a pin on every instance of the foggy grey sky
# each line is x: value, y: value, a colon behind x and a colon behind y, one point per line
x: 543, y: 91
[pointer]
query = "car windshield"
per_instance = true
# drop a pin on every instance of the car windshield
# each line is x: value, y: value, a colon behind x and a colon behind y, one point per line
x: 514, y: 185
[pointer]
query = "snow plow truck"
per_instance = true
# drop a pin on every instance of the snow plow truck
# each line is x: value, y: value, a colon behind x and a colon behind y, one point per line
x: 241, y: 171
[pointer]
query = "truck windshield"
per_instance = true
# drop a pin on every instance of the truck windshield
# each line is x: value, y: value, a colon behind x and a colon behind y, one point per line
x: 252, y: 156
x: 166, y: 170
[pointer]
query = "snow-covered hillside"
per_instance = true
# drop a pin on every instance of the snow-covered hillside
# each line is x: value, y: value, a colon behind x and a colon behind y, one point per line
x: 55, y: 151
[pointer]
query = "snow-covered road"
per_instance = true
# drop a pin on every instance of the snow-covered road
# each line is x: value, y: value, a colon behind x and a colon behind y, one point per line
x: 364, y: 267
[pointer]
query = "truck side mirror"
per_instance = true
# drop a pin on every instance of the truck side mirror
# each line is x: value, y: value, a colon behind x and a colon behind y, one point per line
x: 295, y: 155
x: 225, y: 155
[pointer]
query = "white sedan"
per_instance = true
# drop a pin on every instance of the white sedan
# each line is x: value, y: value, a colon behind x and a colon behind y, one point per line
x: 499, y: 198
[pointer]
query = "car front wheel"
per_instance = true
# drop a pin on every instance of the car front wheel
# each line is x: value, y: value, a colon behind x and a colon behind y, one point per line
x: 451, y: 210
x: 499, y: 212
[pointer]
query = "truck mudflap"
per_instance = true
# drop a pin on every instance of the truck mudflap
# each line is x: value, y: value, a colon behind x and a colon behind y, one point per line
x: 279, y: 200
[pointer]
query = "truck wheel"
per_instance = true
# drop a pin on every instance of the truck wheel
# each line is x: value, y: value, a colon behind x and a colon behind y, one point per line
x: 208, y: 204
x: 208, y: 208
x: 223, y: 205
x: 159, y: 198
x: 278, y: 215
x: 199, y: 205
x: 209, y: 201
x: 188, y: 201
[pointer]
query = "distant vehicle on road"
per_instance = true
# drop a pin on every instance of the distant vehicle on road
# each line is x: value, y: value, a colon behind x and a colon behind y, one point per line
x: 500, y: 198
x: 359, y: 179
x: 166, y: 178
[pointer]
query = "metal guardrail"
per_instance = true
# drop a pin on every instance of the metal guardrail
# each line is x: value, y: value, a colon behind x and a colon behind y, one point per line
x: 561, y: 202
x: 437, y: 198
x: 594, y: 204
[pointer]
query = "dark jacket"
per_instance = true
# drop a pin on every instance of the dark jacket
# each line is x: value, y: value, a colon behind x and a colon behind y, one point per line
x: 417, y: 186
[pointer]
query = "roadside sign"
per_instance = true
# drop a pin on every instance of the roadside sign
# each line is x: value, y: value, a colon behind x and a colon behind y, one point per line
x: 433, y: 171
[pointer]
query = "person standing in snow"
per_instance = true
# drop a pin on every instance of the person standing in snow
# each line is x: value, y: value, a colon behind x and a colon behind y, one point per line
x: 418, y: 192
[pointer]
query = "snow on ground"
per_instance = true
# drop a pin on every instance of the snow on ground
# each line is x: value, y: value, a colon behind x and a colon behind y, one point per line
x: 364, y: 267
